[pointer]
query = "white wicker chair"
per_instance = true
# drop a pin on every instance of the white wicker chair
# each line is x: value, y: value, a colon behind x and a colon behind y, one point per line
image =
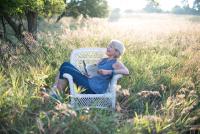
x: 79, y: 101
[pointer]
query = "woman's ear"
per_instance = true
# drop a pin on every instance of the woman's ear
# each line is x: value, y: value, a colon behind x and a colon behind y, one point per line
x: 117, y: 54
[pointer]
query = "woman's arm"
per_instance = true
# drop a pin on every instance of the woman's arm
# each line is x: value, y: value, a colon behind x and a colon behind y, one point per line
x: 120, y: 68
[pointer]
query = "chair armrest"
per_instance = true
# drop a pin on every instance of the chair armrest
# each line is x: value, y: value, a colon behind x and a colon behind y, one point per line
x: 114, y: 80
x: 71, y: 83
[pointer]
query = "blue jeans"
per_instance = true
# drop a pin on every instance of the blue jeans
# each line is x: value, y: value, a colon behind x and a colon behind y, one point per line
x: 78, y: 78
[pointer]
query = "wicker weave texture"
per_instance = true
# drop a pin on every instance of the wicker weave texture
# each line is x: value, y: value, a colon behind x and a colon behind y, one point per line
x: 79, y: 101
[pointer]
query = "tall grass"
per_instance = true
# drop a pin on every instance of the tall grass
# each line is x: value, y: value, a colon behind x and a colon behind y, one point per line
x: 162, y: 54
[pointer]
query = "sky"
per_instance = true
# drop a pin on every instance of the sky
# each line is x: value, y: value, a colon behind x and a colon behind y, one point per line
x: 166, y: 5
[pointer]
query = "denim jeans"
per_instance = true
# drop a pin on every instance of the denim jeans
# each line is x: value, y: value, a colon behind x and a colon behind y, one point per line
x: 78, y: 78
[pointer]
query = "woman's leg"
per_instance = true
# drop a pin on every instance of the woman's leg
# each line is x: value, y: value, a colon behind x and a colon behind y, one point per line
x: 68, y: 64
x: 61, y: 83
x: 78, y: 77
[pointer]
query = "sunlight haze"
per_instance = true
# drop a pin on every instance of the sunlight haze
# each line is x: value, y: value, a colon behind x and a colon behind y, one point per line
x: 165, y: 5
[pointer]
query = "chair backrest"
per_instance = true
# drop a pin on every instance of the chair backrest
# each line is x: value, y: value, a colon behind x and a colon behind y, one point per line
x: 89, y: 55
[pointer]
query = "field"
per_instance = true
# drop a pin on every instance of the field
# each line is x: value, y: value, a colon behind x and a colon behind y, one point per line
x: 161, y: 94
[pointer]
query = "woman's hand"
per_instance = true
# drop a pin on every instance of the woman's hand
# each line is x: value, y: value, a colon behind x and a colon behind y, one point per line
x: 86, y: 74
x: 104, y: 72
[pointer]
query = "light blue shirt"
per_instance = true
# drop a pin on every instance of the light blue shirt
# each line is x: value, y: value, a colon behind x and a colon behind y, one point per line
x: 99, y: 83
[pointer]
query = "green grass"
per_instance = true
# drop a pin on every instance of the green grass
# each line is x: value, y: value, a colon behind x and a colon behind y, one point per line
x: 166, y: 61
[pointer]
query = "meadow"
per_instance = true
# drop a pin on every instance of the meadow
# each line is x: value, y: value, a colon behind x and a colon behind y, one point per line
x: 161, y: 94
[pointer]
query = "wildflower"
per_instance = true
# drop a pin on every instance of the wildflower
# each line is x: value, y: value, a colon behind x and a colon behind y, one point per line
x: 184, y: 90
x: 170, y: 101
x: 65, y: 109
x: 153, y: 118
x: 84, y: 117
x: 146, y: 94
x: 193, y: 93
x: 190, y: 107
x: 163, y: 88
x: 180, y: 96
x: 187, y: 109
x: 118, y: 107
x: 118, y: 87
x: 125, y: 92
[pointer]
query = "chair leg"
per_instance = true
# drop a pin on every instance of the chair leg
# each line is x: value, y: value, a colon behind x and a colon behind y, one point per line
x: 72, y: 102
x: 113, y: 103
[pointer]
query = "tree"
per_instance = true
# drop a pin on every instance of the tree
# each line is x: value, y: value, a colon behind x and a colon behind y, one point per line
x: 152, y: 6
x: 14, y: 11
x: 185, y: 3
x: 196, y: 6
x: 188, y: 9
x: 178, y: 10
x: 91, y: 8
x: 115, y: 15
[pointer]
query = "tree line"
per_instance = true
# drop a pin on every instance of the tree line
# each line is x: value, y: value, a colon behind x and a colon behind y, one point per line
x: 21, y: 16
x: 185, y: 8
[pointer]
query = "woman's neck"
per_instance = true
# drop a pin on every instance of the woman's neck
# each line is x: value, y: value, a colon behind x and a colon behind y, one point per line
x: 111, y: 58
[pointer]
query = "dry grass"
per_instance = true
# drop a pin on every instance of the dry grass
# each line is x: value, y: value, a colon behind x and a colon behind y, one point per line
x: 159, y: 96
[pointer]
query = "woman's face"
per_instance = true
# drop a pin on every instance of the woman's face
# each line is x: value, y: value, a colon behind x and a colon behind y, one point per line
x: 111, y: 51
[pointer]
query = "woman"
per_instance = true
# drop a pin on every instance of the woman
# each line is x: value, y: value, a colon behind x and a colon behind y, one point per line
x: 107, y: 67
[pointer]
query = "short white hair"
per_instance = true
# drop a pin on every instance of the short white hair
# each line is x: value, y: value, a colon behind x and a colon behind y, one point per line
x: 118, y: 45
